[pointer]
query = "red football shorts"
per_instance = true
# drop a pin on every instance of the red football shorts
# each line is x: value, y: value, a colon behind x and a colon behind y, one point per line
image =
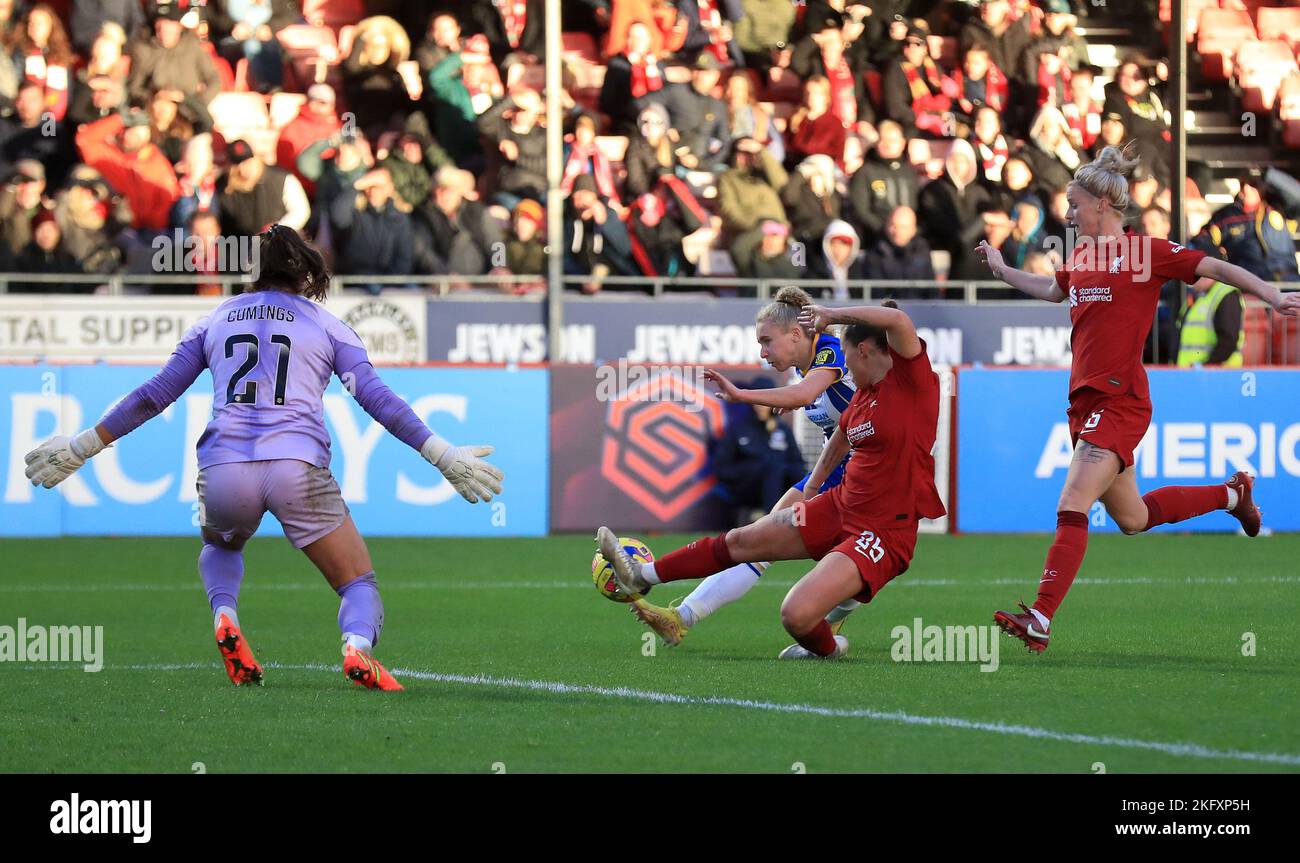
x: 1113, y: 422
x: 880, y: 555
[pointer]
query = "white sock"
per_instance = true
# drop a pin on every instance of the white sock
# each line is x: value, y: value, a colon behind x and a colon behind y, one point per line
x: 718, y: 590
x: 1042, y: 621
x: 649, y: 574
x: 841, y: 611
x: 228, y: 612
x: 360, y: 642
x: 1232, y: 497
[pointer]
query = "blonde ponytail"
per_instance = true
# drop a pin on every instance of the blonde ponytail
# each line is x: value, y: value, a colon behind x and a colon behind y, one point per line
x: 1106, y: 177
x: 784, y: 308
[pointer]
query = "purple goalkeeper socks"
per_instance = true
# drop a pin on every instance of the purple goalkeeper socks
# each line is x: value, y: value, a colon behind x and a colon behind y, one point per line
x: 361, y: 611
x: 222, y: 570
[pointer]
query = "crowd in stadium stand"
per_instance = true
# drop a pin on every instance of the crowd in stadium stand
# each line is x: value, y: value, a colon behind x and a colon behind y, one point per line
x: 826, y: 139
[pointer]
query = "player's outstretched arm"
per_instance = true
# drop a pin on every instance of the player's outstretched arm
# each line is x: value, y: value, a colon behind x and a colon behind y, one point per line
x: 473, y: 478
x: 59, y: 457
x: 832, y: 454
x: 788, y: 397
x: 898, y: 327
x: 1231, y: 274
x: 1038, y: 287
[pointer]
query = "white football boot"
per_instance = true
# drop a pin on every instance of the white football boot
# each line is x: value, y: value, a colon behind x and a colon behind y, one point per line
x: 798, y: 651
x: 627, y: 572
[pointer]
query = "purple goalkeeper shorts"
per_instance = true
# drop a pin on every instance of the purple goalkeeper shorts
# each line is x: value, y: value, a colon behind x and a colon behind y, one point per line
x: 304, y: 498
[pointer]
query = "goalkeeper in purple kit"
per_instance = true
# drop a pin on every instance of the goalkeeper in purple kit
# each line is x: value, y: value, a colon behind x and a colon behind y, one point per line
x: 271, y: 351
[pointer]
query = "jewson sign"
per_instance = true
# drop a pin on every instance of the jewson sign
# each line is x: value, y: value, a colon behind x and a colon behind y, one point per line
x: 145, y: 484
x: 1013, y: 444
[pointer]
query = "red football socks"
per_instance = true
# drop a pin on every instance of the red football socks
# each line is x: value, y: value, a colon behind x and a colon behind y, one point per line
x: 820, y: 641
x: 700, y: 559
x: 1063, y: 561
x: 1175, y: 503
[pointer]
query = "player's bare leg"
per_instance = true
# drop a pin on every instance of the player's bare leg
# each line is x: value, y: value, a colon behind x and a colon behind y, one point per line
x: 1092, y: 471
x: 710, y: 595
x: 834, y: 579
x: 344, y: 560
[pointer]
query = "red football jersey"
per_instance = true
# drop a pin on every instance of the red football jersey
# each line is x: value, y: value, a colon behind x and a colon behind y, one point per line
x: 889, y: 481
x: 1113, y: 291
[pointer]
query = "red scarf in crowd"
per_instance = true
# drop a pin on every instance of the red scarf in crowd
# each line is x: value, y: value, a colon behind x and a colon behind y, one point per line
x: 844, y: 97
x: 646, y: 77
x: 993, y: 157
x: 1084, y: 122
x: 711, y: 24
x: 1053, y: 89
x: 579, y: 160
x: 514, y: 15
x: 995, y: 87
x: 925, y: 85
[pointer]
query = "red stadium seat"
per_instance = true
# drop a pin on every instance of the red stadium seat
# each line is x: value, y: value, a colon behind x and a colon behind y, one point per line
x: 1284, y: 24
x: 1288, y: 98
x: 306, y: 41
x: 1286, y: 341
x: 234, y: 114
x: 1255, y: 324
x: 333, y: 13
x: 285, y: 107
x: 580, y: 45
x: 1261, y: 68
x: 1192, y: 9
x: 613, y: 147
x: 1221, y: 32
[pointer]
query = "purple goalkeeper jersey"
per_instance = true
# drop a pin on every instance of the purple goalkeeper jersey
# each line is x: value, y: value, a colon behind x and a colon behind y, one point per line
x: 271, y: 354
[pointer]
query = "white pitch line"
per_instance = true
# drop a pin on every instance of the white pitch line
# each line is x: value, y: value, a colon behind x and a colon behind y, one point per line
x: 582, y: 584
x: 898, y: 717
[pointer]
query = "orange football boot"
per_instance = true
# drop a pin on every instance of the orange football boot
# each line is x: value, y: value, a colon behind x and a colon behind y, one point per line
x: 242, y: 668
x: 364, y: 670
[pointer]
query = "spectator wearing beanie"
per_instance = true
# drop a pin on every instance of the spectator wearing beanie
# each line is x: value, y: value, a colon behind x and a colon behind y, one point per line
x: 774, y: 258
x: 316, y: 120
x: 595, y: 240
x: 253, y: 194
x: 748, y: 193
x: 171, y: 58
x: 526, y: 249
x: 900, y: 254
x: 372, y: 230
x: 917, y: 94
x: 45, y: 254
x: 20, y: 201
x: 90, y: 218
x: 119, y: 148
x: 885, y: 182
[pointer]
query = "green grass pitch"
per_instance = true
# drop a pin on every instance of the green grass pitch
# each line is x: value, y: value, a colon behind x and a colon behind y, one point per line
x: 516, y: 664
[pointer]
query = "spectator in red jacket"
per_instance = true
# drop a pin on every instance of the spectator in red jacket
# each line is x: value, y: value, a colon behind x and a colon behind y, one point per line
x: 316, y: 120
x: 815, y: 127
x: 118, y: 146
x: 917, y: 94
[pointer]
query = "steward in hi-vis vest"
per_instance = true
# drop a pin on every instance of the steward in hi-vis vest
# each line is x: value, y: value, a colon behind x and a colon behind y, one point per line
x: 1212, y: 334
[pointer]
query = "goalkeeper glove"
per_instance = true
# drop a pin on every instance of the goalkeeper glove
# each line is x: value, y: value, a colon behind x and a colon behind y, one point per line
x: 59, y: 457
x: 463, y: 466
